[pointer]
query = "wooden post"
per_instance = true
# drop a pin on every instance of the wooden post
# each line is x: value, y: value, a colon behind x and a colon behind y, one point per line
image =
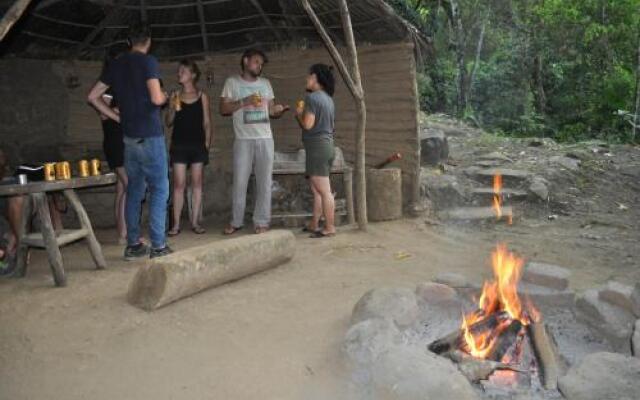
x: 12, y: 16
x: 354, y: 84
x: 85, y: 223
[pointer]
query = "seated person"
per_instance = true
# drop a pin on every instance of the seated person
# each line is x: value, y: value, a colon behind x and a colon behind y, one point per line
x: 11, y: 209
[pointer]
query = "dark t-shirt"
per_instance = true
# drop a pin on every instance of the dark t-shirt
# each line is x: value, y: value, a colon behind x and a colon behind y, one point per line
x: 321, y: 105
x: 127, y: 76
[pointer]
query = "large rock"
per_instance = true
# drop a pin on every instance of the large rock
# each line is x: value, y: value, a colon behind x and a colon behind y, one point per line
x: 442, y: 190
x: 395, y: 304
x: 435, y: 293
x: 167, y: 279
x: 603, y: 376
x: 454, y: 280
x: 635, y: 341
x: 412, y: 373
x: 434, y: 147
x: 569, y: 163
x: 547, y: 275
x: 611, y: 322
x: 366, y: 340
x: 547, y: 298
x: 539, y: 188
x: 618, y: 294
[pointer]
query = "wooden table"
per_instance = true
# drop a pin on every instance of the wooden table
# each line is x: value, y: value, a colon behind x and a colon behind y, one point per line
x: 47, y: 237
x: 347, y: 180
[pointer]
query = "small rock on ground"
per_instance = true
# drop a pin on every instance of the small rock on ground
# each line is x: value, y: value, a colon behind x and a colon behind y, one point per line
x: 569, y: 163
x: 603, y: 376
x: 395, y: 304
x: 539, y: 189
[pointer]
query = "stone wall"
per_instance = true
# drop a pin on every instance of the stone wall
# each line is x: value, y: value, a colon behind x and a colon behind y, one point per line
x: 45, y: 115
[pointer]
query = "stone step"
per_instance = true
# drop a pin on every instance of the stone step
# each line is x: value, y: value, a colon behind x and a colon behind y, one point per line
x: 486, y: 194
x: 476, y: 214
x: 515, y: 177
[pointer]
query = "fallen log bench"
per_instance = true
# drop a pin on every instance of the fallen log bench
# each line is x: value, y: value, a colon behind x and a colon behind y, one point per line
x: 184, y: 273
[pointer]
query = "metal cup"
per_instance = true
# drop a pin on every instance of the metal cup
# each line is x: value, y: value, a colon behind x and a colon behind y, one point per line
x: 95, y: 167
x: 22, y: 179
x: 83, y: 168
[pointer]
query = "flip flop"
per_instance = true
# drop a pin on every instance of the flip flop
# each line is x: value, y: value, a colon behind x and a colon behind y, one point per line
x: 230, y: 229
x: 172, y: 233
x: 320, y: 235
x: 306, y: 229
x: 198, y: 230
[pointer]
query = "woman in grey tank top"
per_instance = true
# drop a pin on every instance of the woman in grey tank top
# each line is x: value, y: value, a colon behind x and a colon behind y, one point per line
x: 316, y: 117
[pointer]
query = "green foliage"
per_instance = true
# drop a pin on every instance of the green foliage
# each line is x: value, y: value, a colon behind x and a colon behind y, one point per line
x: 588, y: 51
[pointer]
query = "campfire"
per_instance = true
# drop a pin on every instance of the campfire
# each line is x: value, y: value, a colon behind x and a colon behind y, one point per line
x: 504, y: 338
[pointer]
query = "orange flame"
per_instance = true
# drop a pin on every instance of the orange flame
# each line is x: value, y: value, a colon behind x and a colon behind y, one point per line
x: 497, y: 199
x: 499, y: 294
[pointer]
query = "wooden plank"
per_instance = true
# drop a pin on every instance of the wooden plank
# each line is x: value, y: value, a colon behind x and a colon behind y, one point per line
x: 73, y: 183
x: 66, y: 236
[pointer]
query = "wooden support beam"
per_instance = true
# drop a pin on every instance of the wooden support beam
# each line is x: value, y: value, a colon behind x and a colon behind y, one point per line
x: 109, y: 18
x: 203, y: 27
x: 361, y: 123
x: 12, y: 16
x: 266, y: 19
x: 354, y: 85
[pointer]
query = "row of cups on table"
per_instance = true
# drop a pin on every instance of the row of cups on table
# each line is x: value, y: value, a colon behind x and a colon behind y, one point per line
x: 62, y: 170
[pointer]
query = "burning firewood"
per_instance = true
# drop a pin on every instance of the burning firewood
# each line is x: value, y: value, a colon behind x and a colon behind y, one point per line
x: 455, y: 340
x: 506, y: 340
x: 476, y: 370
x: 543, y: 347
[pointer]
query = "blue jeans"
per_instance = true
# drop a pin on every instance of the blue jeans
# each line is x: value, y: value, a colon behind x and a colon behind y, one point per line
x: 145, y: 161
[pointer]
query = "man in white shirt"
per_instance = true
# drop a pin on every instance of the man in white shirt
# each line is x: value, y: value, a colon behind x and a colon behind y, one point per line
x: 250, y: 99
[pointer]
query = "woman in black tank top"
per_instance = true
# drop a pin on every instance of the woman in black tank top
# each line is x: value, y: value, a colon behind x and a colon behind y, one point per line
x: 190, y: 142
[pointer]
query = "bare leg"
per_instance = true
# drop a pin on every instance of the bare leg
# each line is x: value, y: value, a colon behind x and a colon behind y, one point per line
x: 323, y: 186
x: 121, y: 197
x: 317, y: 208
x: 15, y: 217
x: 179, y: 178
x: 196, y: 194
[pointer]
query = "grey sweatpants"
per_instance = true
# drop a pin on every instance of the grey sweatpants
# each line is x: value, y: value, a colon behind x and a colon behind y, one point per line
x: 252, y: 155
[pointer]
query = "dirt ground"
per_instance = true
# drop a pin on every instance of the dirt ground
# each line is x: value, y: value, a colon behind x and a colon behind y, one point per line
x: 276, y: 335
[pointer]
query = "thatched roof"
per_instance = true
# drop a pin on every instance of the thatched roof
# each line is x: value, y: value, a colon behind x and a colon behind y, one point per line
x: 83, y: 29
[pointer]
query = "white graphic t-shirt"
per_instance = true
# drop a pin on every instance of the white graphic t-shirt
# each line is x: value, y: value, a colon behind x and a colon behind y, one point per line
x: 252, y: 121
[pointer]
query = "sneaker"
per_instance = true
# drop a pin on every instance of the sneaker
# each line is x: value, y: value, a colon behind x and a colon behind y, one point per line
x: 135, y: 251
x: 164, y: 251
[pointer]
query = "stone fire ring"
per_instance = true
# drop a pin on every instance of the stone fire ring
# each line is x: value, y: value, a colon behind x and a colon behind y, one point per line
x: 390, y: 328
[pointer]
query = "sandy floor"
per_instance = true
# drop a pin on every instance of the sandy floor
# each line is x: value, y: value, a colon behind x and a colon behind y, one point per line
x: 275, y: 335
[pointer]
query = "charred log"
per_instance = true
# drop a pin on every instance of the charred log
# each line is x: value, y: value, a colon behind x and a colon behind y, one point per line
x: 455, y: 340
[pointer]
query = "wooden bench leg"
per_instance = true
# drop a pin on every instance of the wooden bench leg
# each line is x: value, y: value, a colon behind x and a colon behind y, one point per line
x: 23, y: 249
x: 49, y: 237
x: 347, y: 178
x: 85, y: 223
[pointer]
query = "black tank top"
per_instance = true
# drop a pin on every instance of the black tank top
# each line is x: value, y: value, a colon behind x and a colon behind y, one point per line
x: 188, y: 130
